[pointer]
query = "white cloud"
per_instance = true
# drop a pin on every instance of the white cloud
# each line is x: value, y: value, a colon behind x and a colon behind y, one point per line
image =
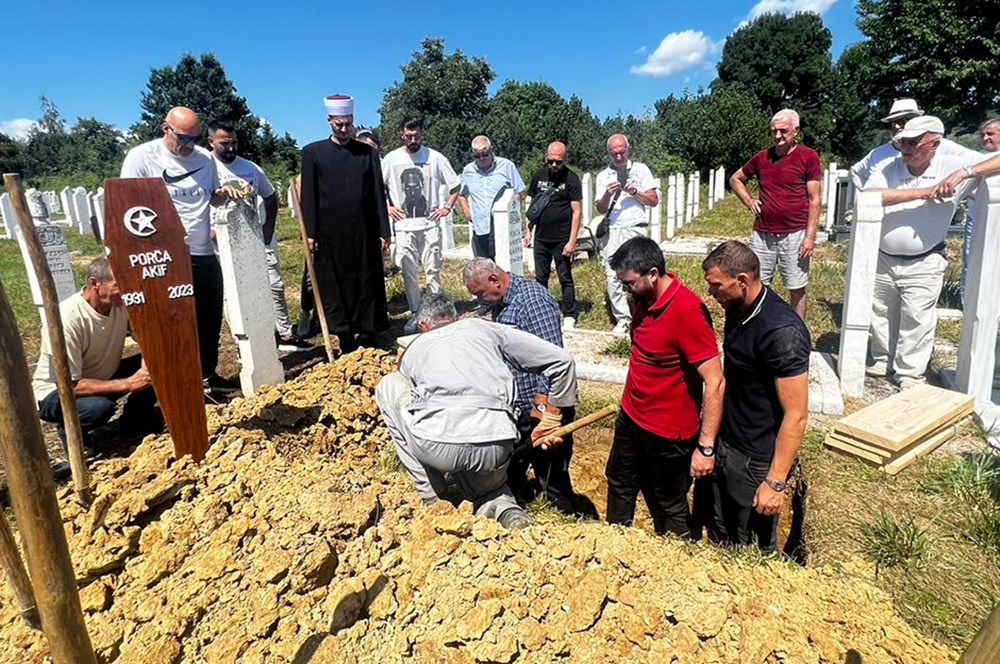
x: 678, y: 51
x: 789, y: 7
x: 17, y: 128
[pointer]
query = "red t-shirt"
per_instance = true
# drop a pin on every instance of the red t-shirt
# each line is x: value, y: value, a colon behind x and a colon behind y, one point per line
x: 663, y: 389
x: 784, y: 203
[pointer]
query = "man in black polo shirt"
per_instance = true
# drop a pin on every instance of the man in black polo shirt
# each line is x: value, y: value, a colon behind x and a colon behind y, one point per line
x: 765, y: 409
x: 554, y: 235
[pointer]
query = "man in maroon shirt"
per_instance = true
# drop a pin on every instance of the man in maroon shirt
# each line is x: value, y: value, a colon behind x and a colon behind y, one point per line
x: 672, y: 403
x: 786, y: 210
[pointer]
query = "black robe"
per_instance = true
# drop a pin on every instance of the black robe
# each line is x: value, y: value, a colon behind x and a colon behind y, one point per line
x: 344, y: 211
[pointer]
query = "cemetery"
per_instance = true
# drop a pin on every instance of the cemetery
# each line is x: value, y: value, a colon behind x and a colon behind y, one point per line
x: 298, y: 539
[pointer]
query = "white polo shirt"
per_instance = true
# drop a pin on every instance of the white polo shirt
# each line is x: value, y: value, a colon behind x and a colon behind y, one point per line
x: 627, y: 210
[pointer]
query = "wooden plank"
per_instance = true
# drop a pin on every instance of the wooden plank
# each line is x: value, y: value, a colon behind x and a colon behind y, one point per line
x: 840, y: 444
x: 919, y: 450
x: 860, y: 444
x: 905, y: 418
x: 152, y: 265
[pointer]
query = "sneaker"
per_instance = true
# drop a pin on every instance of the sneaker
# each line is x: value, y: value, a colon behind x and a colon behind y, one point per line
x: 906, y: 382
x: 292, y: 344
x: 569, y: 323
x: 878, y: 370
x: 216, y: 385
x: 61, y: 469
x: 411, y: 326
x: 514, y: 518
x: 621, y: 329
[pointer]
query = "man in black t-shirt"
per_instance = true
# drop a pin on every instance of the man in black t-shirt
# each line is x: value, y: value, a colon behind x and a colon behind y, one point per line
x: 765, y: 409
x: 554, y: 235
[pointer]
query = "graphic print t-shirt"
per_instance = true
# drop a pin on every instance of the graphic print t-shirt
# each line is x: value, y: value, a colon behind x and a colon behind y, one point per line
x: 243, y: 173
x: 555, y: 222
x: 414, y: 182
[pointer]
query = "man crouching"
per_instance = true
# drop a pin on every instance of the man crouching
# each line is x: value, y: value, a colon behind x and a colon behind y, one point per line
x: 450, y: 407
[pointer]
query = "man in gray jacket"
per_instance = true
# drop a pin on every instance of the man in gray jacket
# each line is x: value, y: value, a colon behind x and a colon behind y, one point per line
x: 450, y: 409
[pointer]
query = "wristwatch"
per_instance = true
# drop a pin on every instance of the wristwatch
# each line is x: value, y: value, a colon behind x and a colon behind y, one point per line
x: 541, y: 406
x: 776, y: 485
x: 707, y: 450
x: 968, y: 171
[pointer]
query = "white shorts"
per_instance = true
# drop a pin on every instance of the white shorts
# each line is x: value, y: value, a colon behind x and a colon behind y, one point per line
x: 781, y: 249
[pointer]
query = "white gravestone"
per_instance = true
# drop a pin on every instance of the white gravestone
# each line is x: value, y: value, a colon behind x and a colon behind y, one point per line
x: 711, y: 188
x: 7, y: 212
x: 53, y: 242
x: 448, y: 224
x: 977, y: 347
x: 508, y: 235
x: 859, y: 289
x: 720, y: 183
x: 52, y: 202
x: 697, y: 194
x: 588, y: 200
x: 291, y: 202
x: 37, y: 208
x: 66, y: 201
x: 97, y: 205
x: 681, y: 190
x: 656, y: 213
x: 671, y: 206
x: 831, y: 194
x: 689, y: 204
x: 248, y: 302
x: 81, y: 211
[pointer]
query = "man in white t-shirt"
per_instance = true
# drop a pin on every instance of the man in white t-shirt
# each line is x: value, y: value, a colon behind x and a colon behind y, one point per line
x: 413, y: 174
x: 911, y: 261
x: 192, y: 181
x: 627, y: 190
x: 248, y: 177
x: 95, y: 326
x: 989, y: 133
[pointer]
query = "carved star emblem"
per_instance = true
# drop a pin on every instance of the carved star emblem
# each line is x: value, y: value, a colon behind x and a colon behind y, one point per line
x: 139, y: 221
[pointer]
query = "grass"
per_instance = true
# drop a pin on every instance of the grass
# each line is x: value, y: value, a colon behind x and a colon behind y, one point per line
x: 889, y: 541
x: 618, y: 347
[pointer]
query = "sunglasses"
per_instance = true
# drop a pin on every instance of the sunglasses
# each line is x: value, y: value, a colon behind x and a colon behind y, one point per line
x: 481, y: 155
x: 184, y: 138
x: 555, y: 162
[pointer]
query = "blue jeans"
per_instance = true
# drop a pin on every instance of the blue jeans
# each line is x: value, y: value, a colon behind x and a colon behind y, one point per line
x: 95, y: 411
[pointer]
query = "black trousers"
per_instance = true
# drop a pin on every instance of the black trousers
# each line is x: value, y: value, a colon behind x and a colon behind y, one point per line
x: 207, y: 281
x: 551, y: 466
x: 483, y: 246
x: 658, y: 467
x: 737, y: 477
x: 545, y: 252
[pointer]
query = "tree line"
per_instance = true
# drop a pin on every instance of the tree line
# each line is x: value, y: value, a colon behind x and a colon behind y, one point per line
x: 941, y: 52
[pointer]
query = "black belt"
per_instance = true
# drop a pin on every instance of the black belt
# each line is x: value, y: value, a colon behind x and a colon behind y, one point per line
x: 936, y: 249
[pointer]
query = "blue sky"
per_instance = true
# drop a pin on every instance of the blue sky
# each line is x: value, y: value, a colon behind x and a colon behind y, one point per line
x: 94, y: 58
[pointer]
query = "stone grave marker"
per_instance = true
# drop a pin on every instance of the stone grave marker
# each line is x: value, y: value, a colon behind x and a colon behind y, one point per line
x: 249, y: 309
x: 508, y: 234
x: 697, y: 194
x: 9, y: 221
x: 37, y: 208
x: 588, y: 200
x: 720, y: 183
x: 97, y: 205
x: 656, y: 213
x: 66, y: 202
x: 52, y: 202
x: 671, y: 206
x: 681, y: 191
x: 53, y: 242
x: 711, y: 188
x: 81, y: 211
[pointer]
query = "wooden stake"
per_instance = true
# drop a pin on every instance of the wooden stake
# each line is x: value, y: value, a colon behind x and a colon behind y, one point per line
x: 986, y: 644
x: 311, y: 267
x: 567, y: 429
x: 10, y: 557
x: 32, y: 494
x: 57, y: 341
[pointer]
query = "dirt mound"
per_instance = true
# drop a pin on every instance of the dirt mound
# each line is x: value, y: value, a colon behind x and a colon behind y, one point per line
x: 295, y: 541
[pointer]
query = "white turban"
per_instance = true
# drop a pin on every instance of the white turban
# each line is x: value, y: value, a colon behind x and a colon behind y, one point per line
x: 339, y: 105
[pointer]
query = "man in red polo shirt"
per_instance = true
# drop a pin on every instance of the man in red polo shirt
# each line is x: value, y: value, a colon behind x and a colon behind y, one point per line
x: 672, y: 403
x: 786, y: 209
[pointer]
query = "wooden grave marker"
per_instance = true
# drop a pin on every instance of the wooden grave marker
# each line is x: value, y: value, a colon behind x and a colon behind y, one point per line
x: 152, y: 264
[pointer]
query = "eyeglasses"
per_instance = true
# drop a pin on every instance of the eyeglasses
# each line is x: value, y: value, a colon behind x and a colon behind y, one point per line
x: 782, y: 130
x: 184, y: 138
x: 555, y: 162
x: 481, y: 155
x: 630, y: 283
x: 912, y: 143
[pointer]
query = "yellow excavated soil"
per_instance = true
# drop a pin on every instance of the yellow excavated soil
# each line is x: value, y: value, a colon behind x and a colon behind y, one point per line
x: 295, y: 541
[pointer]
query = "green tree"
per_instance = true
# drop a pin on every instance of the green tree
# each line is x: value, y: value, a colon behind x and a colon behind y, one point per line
x: 784, y: 61
x: 48, y: 143
x: 524, y: 118
x: 200, y: 84
x: 94, y: 147
x: 856, y: 127
x: 583, y: 136
x: 943, y: 53
x: 447, y: 91
x: 10, y: 155
x: 725, y: 127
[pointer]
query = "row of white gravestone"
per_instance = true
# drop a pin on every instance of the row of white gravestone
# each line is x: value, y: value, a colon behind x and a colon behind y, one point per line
x: 981, y: 313
x: 73, y: 206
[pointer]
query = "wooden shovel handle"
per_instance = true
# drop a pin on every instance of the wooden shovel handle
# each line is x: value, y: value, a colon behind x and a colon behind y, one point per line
x: 567, y: 429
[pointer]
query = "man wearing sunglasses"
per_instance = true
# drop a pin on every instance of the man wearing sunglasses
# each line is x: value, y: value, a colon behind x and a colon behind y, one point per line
x: 483, y: 181
x: 192, y: 181
x: 920, y: 191
x: 554, y: 233
x: 626, y: 190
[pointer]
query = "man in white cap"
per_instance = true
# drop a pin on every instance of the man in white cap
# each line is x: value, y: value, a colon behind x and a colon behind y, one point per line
x: 347, y: 226
x: 414, y: 174
x: 911, y: 260
x: 902, y: 110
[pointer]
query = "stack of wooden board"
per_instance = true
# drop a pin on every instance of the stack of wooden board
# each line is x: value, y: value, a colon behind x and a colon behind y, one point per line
x: 894, y: 432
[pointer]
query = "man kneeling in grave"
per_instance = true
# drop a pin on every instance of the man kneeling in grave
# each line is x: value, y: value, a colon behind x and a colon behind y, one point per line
x: 95, y: 325
x: 450, y: 407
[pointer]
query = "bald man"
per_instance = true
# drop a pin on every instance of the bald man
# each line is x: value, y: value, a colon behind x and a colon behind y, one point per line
x: 553, y: 234
x: 627, y: 190
x: 189, y: 172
